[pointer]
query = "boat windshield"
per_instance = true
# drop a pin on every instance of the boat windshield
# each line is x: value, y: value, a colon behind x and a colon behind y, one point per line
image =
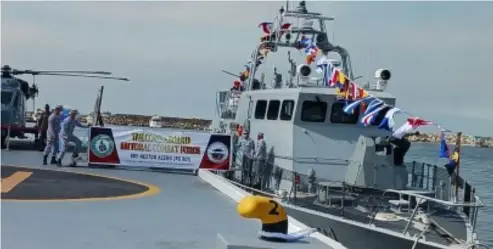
x: 7, y: 97
x: 158, y: 119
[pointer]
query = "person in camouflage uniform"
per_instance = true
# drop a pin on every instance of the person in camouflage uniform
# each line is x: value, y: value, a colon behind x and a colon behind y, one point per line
x: 260, y: 158
x: 247, y: 146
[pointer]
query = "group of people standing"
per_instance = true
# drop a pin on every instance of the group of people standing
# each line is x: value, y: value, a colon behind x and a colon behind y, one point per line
x: 56, y: 134
x: 255, y: 169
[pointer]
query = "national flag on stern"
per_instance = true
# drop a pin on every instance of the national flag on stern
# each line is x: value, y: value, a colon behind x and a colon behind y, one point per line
x: 444, y: 150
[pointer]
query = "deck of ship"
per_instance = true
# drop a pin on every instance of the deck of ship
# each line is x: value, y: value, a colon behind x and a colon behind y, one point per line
x: 174, y: 211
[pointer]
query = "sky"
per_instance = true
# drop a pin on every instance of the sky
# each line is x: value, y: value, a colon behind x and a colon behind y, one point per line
x: 173, y: 52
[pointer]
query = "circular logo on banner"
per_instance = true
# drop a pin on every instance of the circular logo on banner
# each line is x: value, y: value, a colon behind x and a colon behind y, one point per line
x: 217, y: 152
x: 102, y: 145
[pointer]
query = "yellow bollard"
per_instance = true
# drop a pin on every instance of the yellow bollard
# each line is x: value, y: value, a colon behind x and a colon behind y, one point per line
x: 268, y: 211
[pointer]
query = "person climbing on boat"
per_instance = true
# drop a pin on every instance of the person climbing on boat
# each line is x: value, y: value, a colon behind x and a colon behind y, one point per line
x: 52, y: 136
x: 67, y: 135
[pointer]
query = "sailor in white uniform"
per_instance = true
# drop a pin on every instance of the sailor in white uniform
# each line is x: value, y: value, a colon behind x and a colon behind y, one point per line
x: 67, y: 135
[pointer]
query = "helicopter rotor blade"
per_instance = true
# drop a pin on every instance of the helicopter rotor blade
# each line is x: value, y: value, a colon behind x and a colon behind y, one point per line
x: 35, y: 72
x: 88, y: 76
x: 76, y: 72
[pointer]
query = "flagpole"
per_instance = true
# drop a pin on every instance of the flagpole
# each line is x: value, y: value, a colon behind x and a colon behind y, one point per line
x: 457, y: 177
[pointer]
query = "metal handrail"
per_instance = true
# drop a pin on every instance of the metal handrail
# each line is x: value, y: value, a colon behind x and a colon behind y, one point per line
x: 478, y: 244
x: 409, y: 193
x: 447, y: 203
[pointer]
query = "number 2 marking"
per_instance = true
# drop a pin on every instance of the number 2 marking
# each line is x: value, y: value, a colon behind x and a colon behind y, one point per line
x: 274, y: 210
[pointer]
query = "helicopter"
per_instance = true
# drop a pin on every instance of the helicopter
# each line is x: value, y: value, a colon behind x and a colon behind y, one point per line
x: 17, y: 92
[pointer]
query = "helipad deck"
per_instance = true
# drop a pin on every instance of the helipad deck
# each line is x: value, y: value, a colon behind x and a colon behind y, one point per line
x: 155, y: 210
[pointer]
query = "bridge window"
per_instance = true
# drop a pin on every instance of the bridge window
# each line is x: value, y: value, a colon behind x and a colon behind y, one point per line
x: 313, y: 111
x: 338, y: 116
x: 273, y: 111
x: 287, y: 110
x: 260, y: 109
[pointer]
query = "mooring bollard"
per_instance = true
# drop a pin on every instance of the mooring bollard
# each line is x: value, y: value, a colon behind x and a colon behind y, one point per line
x: 273, y: 218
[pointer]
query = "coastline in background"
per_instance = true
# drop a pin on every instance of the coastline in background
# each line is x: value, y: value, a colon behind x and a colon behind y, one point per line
x: 475, y: 141
x: 205, y: 125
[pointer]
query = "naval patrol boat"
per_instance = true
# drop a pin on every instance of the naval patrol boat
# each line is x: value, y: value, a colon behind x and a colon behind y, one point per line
x: 349, y: 181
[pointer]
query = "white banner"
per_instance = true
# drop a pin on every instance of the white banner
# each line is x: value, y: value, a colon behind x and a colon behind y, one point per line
x: 158, y: 148
x: 150, y: 149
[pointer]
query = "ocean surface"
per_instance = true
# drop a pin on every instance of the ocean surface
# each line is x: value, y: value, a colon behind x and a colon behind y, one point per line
x: 476, y: 167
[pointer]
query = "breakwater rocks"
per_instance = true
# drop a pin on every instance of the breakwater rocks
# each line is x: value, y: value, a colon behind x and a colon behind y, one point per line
x: 483, y: 142
x: 166, y: 122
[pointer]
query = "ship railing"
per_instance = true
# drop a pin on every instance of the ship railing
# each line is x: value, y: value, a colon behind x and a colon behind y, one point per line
x: 474, y: 205
x: 303, y: 186
x: 437, y: 180
x: 227, y: 104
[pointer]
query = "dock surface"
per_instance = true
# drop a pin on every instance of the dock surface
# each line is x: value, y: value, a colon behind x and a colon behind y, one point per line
x: 61, y: 208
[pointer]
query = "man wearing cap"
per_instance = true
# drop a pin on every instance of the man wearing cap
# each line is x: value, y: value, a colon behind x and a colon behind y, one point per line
x: 67, y: 135
x: 52, y: 135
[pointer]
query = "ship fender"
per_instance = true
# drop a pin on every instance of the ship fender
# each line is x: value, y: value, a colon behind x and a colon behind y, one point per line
x: 273, y: 218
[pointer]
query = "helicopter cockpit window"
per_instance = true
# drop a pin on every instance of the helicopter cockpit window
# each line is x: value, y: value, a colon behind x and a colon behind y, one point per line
x: 7, y: 97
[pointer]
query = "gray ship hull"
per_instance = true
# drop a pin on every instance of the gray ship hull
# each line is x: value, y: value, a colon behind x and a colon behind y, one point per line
x: 357, y: 237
